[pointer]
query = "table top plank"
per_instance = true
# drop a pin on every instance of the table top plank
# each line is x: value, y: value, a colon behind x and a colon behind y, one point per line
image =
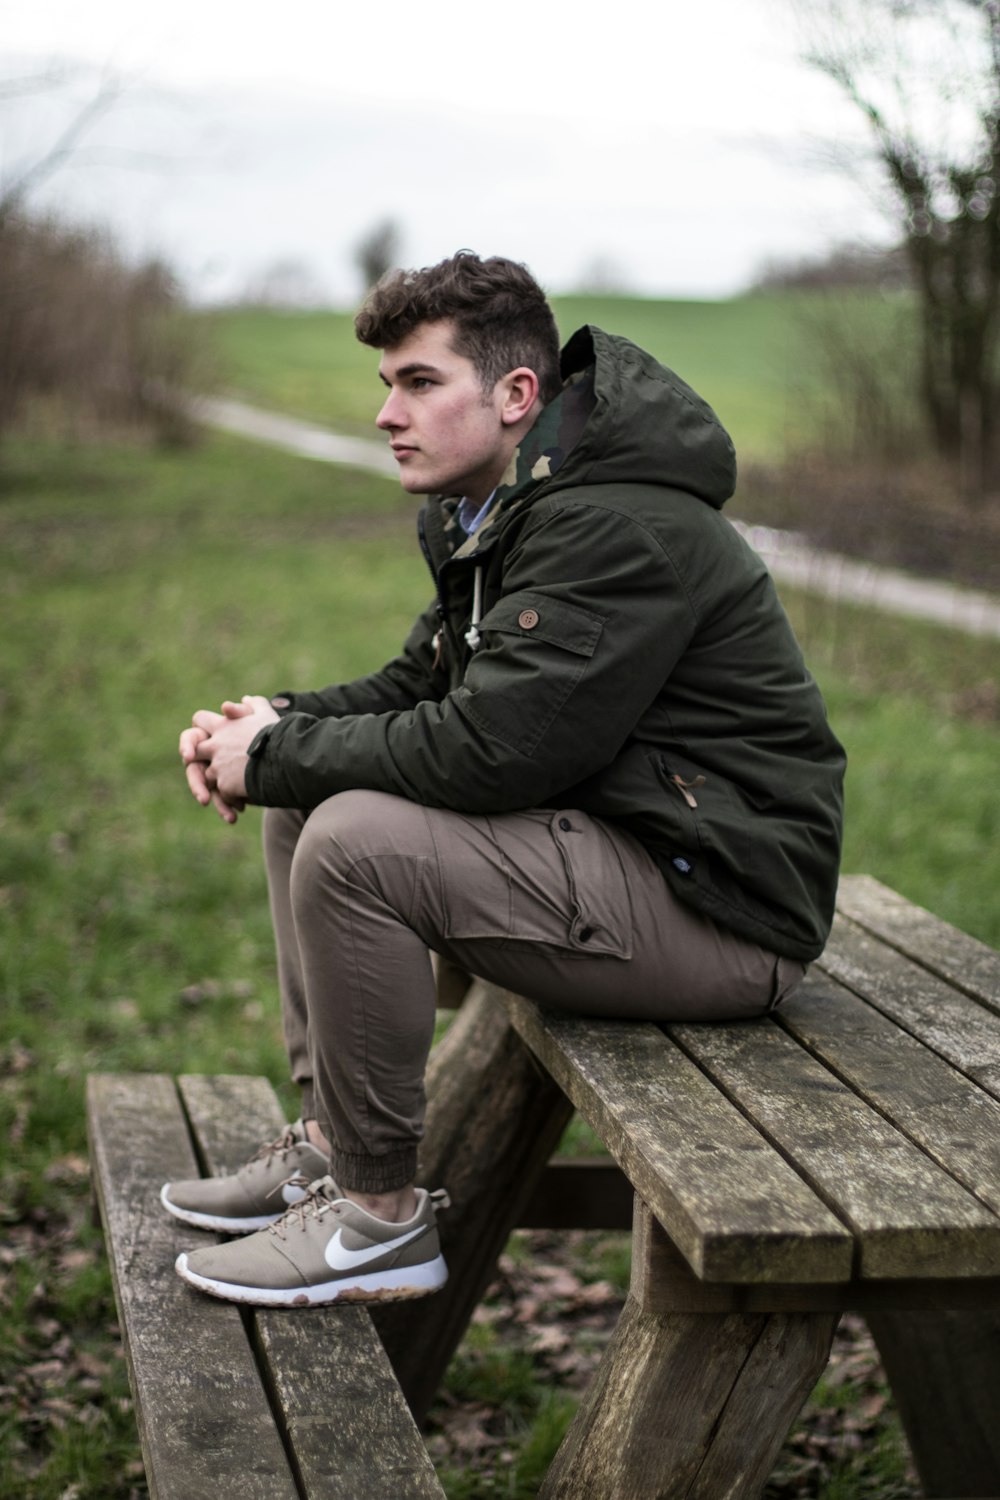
x: 728, y: 1200
x: 231, y: 1115
x: 910, y: 1218
x: 349, y: 1426
x: 205, y: 1423
x: 933, y: 1103
x: 956, y: 1026
x: 954, y: 955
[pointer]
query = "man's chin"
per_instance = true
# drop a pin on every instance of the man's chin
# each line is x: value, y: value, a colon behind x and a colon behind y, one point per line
x: 414, y: 484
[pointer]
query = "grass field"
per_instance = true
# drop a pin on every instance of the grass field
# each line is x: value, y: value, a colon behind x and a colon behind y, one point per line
x: 751, y: 357
x: 135, y: 587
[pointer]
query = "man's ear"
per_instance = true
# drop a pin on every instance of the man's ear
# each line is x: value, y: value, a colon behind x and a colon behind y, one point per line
x: 520, y: 395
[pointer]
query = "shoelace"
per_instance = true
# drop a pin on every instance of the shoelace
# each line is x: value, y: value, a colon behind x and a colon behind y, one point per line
x: 297, y: 1179
x: 319, y: 1197
x: 284, y: 1143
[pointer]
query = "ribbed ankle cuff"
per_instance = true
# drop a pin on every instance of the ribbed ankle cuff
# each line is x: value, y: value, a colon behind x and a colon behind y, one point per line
x: 374, y: 1174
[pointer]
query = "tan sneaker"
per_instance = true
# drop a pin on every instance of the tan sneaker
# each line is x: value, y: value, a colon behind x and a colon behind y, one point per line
x: 255, y: 1196
x: 326, y: 1249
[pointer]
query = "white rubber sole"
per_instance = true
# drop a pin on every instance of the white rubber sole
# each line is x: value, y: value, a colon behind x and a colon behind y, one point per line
x: 215, y: 1221
x: 377, y: 1286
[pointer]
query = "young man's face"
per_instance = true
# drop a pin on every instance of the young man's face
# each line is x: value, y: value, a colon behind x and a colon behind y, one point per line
x: 446, y: 434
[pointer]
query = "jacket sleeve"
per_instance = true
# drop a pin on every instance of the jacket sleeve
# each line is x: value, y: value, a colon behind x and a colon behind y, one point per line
x: 590, y: 620
x: 408, y: 679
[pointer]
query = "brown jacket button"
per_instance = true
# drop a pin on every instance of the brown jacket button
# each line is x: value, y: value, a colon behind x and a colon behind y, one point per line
x: 528, y: 619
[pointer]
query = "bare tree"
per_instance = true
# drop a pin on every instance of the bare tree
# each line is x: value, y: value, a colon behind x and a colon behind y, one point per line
x: 15, y: 191
x: 378, y: 251
x: 925, y: 74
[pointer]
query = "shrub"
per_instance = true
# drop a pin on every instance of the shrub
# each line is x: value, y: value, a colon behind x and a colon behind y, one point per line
x: 88, y: 333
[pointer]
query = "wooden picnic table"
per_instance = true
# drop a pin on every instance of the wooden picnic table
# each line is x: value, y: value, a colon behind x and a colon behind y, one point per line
x: 841, y: 1154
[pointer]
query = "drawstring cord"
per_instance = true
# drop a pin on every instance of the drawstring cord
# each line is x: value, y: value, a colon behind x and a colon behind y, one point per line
x: 472, y: 636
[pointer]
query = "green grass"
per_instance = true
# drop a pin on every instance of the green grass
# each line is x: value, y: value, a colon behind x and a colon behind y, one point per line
x: 306, y: 363
x: 751, y: 357
x: 746, y: 356
x: 135, y: 587
x: 923, y: 810
x: 133, y: 927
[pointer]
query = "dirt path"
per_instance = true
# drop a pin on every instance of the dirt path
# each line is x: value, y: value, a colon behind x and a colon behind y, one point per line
x: 792, y: 560
x: 294, y: 435
x: 789, y: 557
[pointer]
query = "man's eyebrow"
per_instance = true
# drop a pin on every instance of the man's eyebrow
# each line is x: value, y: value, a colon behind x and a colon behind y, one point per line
x: 405, y: 371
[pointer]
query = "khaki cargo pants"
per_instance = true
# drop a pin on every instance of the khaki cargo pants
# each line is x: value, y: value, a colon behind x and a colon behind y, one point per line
x: 550, y: 903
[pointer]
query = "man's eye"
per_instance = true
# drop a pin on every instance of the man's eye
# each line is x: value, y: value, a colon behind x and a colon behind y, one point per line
x: 420, y: 382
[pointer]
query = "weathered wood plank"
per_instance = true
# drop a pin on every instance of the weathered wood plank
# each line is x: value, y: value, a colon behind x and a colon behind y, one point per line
x: 689, y: 1407
x: 729, y: 1201
x: 962, y: 960
x: 230, y: 1114
x: 204, y: 1420
x: 782, y: 1368
x: 959, y: 1028
x: 663, y: 1282
x: 909, y: 1217
x: 350, y: 1430
x: 944, y: 1369
x: 937, y: 1106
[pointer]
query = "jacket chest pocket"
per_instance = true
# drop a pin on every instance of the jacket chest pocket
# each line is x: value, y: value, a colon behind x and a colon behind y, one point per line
x: 533, y: 652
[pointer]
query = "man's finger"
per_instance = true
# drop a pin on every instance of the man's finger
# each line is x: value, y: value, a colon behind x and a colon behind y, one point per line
x: 189, y: 741
x: 226, y: 811
x: 194, y: 772
x: 208, y: 720
x: 258, y: 704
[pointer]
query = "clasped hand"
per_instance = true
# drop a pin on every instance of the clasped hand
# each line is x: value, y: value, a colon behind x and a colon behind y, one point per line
x: 214, y: 753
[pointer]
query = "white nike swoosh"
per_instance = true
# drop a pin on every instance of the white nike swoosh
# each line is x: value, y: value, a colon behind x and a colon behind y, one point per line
x: 339, y: 1258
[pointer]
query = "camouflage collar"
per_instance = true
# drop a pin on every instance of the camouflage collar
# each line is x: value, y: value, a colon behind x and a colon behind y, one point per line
x: 540, y: 454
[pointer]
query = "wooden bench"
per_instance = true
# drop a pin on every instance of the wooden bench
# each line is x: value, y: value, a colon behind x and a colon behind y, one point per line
x: 234, y: 1404
x: 844, y: 1154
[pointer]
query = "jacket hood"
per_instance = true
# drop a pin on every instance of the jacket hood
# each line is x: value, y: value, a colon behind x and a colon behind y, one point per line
x: 647, y: 425
x: 622, y: 417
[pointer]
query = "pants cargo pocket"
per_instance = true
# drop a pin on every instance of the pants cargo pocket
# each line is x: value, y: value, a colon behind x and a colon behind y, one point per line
x: 535, y: 877
x: 600, y: 909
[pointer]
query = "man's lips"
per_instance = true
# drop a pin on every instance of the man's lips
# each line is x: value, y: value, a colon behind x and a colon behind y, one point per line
x: 401, y: 450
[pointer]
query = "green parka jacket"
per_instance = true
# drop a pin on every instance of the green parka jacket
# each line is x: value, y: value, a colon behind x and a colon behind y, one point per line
x: 604, y: 641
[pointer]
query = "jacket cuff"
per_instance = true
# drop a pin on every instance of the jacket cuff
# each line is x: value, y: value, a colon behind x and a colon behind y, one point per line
x: 255, y: 777
x: 294, y: 703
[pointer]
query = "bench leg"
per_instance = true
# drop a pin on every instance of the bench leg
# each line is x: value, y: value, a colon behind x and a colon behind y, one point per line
x: 944, y: 1369
x: 690, y: 1406
x: 493, y: 1119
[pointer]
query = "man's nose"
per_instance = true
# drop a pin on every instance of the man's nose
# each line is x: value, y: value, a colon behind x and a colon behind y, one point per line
x: 392, y: 413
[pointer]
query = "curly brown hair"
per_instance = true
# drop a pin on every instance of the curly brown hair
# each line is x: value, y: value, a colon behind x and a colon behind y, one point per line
x: 501, y: 317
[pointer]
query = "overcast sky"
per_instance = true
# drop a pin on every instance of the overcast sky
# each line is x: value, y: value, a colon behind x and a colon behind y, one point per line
x: 676, y: 143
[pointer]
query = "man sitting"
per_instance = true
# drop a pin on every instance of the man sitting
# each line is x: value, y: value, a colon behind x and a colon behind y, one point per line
x: 598, y: 774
